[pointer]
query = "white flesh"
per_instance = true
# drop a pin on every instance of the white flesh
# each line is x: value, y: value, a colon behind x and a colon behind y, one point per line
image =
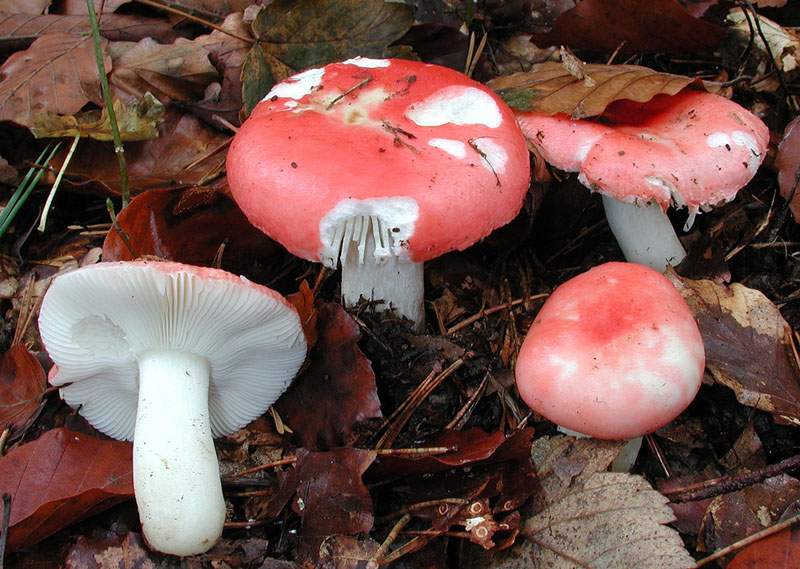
x: 644, y: 233
x: 175, y: 470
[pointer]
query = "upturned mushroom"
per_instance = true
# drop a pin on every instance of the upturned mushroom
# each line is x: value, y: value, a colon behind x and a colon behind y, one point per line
x: 693, y: 150
x: 614, y: 353
x: 380, y: 165
x: 170, y: 355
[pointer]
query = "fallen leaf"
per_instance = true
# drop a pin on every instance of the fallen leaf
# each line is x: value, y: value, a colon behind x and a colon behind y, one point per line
x: 778, y: 551
x: 613, y: 520
x: 633, y: 26
x: 784, y: 43
x: 550, y: 88
x: 345, y: 552
x: 22, y: 384
x: 100, y: 6
x: 8, y: 174
x: 60, y: 478
x: 256, y: 78
x: 788, y: 164
x: 156, y: 225
x: 329, y: 495
x: 746, y: 345
x: 23, y: 6
x: 186, y: 153
x: 736, y: 515
x: 303, y: 301
x: 57, y: 73
x: 175, y: 72
x: 339, y: 384
x: 211, y: 9
x: 111, y: 551
x: 138, y: 120
x: 18, y: 31
x: 297, y: 34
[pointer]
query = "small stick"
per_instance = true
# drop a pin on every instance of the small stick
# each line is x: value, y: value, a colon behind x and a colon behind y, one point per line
x: 240, y: 525
x: 415, y: 452
x: 5, y: 526
x: 195, y: 19
x: 748, y: 540
x: 727, y: 484
x: 465, y: 412
x: 350, y: 90
x: 489, y: 311
x: 408, y: 547
x: 281, y: 462
x: 398, y: 527
x: 656, y: 450
x: 447, y: 502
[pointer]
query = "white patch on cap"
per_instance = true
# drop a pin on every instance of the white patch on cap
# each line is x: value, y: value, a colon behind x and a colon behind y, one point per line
x: 456, y: 105
x: 566, y: 367
x: 367, y: 62
x: 452, y: 147
x: 668, y: 190
x: 297, y: 86
x: 741, y: 138
x: 494, y: 157
x: 717, y: 139
x: 396, y: 215
x: 290, y: 104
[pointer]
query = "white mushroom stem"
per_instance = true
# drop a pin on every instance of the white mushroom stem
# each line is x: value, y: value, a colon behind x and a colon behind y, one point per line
x: 627, y: 454
x: 175, y: 469
x: 372, y: 268
x: 644, y: 233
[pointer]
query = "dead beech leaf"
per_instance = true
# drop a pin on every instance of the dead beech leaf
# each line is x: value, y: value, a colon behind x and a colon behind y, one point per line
x: 550, y: 88
x: 778, y: 551
x: 18, y: 31
x: 60, y: 478
x: 24, y: 6
x: 614, y: 521
x: 338, y: 380
x: 179, y: 71
x: 784, y: 43
x: 22, y: 384
x: 788, y: 165
x: 186, y: 152
x: 138, y: 120
x: 160, y: 223
x: 111, y: 551
x: 633, y: 26
x: 57, y: 73
x: 296, y: 34
x: 303, y: 301
x: 746, y: 345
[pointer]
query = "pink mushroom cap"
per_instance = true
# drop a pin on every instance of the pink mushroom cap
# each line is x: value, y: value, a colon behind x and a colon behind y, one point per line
x: 436, y: 156
x: 614, y: 353
x: 694, y: 149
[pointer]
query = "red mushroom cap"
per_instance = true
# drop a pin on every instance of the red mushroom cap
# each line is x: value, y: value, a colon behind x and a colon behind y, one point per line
x: 437, y: 158
x: 614, y: 353
x: 693, y: 148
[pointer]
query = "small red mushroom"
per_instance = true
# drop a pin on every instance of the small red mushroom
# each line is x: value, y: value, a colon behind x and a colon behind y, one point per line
x: 380, y: 165
x: 614, y: 353
x: 693, y: 149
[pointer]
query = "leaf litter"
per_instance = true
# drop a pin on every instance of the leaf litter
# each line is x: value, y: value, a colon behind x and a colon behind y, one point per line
x: 393, y: 447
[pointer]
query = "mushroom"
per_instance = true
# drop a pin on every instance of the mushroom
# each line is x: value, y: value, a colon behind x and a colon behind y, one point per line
x: 170, y: 355
x: 380, y: 165
x: 614, y: 353
x: 693, y: 149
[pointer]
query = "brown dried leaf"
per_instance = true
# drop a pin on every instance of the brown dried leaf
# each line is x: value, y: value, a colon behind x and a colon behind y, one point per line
x: 788, y: 165
x: 22, y: 384
x: 550, y: 88
x: 110, y: 551
x: 634, y: 26
x: 746, y: 345
x: 614, y: 520
x: 303, y: 301
x: 60, y: 478
x: 211, y: 9
x: 345, y: 552
x: 336, y: 391
x: 58, y: 73
x: 24, y: 6
x: 779, y: 551
x: 18, y: 31
x: 784, y: 43
x: 186, y: 152
x: 179, y: 71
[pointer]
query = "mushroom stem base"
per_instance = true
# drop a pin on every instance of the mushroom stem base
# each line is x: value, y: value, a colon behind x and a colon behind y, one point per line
x: 175, y: 469
x: 397, y: 282
x: 644, y: 233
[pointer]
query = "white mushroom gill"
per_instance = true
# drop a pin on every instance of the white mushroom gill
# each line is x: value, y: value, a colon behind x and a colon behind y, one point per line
x: 370, y: 239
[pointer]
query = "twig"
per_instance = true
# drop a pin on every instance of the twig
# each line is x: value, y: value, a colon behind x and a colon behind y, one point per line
x: 415, y: 452
x: 5, y: 526
x: 442, y: 506
x: 350, y: 90
x: 463, y: 415
x: 727, y: 484
x: 384, y: 547
x: 188, y: 16
x: 656, y: 450
x: 274, y: 464
x: 742, y: 543
x: 489, y: 311
x: 119, y: 150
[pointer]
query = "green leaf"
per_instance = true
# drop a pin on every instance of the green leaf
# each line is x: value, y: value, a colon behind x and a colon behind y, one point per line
x: 257, y: 78
x: 307, y: 33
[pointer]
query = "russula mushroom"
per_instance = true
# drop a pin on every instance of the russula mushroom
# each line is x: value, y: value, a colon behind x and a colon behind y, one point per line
x: 693, y: 149
x: 380, y: 165
x: 170, y: 355
x: 614, y: 353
